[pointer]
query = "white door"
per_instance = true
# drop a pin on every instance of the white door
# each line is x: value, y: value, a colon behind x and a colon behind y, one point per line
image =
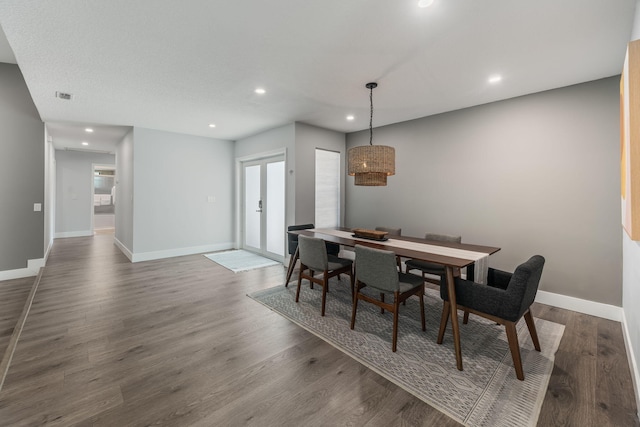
x: 263, y: 227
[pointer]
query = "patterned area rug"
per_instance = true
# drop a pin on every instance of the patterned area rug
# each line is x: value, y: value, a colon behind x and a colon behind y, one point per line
x: 240, y: 260
x: 486, y: 393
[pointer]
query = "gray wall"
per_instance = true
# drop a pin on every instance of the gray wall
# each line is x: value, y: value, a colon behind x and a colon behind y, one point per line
x: 173, y: 176
x: 300, y: 141
x: 278, y: 139
x: 537, y: 174
x: 74, y: 202
x: 308, y: 138
x: 22, y: 172
x: 124, y: 193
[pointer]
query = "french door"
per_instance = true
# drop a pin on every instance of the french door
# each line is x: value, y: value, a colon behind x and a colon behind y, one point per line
x: 264, y: 207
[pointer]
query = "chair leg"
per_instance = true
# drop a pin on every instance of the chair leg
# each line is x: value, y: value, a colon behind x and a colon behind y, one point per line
x: 465, y: 319
x: 354, y: 308
x: 325, y: 285
x: 512, y: 337
x: 446, y: 310
x: 422, y: 319
x: 381, y: 299
x: 352, y: 280
x: 528, y: 317
x: 299, y: 282
x: 396, y: 307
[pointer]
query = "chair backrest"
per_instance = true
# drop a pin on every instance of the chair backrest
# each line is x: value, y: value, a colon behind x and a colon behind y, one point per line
x: 390, y: 231
x: 313, y: 253
x: 443, y: 238
x: 523, y: 286
x: 377, y: 268
x: 292, y: 239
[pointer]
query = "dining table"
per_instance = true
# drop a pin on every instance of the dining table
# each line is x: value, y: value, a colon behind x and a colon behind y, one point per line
x: 453, y: 256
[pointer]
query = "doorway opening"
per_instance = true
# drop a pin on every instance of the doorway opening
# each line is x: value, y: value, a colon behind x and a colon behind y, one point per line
x: 104, y: 199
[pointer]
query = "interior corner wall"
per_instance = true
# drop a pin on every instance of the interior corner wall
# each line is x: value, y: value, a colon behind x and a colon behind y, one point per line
x: 74, y: 203
x: 631, y: 278
x: 173, y: 177
x: 273, y: 140
x: 49, y: 193
x: 21, y: 173
x: 124, y: 194
x: 538, y: 174
x: 308, y: 138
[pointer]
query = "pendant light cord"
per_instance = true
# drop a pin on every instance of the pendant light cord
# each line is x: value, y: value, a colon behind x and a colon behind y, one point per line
x: 371, y: 115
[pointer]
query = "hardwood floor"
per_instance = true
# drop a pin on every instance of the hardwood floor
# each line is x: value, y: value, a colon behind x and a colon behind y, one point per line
x: 13, y: 294
x: 177, y: 342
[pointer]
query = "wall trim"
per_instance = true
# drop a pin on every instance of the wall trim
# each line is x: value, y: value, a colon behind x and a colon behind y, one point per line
x: 33, y: 267
x: 170, y: 253
x: 66, y: 234
x: 123, y: 248
x: 591, y: 308
x: 633, y: 366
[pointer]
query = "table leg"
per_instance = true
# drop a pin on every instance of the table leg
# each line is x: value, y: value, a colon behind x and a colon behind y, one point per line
x: 292, y: 265
x: 451, y: 288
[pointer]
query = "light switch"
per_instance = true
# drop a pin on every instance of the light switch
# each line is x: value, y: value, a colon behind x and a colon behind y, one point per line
x: 37, y: 207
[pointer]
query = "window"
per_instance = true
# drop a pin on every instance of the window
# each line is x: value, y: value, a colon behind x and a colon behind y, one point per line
x: 327, y: 189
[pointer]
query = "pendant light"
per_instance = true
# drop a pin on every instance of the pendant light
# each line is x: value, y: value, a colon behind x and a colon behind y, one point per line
x: 371, y: 164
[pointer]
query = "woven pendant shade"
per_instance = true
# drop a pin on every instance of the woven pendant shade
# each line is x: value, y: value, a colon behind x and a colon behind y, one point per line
x: 371, y: 164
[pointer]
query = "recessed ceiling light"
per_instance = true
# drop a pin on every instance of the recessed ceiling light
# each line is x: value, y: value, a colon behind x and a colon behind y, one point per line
x: 425, y: 3
x: 85, y: 143
x: 212, y: 125
x: 495, y: 79
x: 260, y: 91
x: 88, y: 130
x: 350, y: 118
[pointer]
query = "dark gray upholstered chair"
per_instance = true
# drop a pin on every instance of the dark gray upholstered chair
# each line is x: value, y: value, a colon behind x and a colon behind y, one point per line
x: 393, y: 232
x: 376, y: 269
x: 428, y: 267
x: 292, y: 244
x: 292, y: 240
x: 505, y: 299
x: 314, y: 257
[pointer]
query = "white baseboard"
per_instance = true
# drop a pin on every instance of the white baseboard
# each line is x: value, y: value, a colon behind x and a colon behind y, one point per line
x: 633, y: 366
x: 33, y: 266
x: 123, y: 248
x: 170, y: 253
x: 66, y: 234
x: 592, y: 308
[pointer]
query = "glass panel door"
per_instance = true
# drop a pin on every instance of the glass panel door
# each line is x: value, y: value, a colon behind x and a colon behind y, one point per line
x: 264, y: 207
x: 253, y: 207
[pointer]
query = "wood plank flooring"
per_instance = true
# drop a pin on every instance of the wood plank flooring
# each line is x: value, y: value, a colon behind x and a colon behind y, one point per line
x: 176, y: 342
x: 13, y: 294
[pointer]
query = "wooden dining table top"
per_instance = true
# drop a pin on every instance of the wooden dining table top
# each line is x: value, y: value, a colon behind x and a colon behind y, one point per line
x: 424, y: 255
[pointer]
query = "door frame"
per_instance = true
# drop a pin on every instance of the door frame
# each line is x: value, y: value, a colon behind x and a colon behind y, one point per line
x: 239, y: 193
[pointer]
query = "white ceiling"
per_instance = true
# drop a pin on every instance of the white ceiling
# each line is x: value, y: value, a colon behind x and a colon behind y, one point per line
x: 178, y: 66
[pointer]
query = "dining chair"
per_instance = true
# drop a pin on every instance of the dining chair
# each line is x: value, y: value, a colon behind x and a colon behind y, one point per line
x: 377, y: 270
x: 292, y: 245
x: 390, y: 231
x: 314, y: 257
x: 505, y: 299
x: 393, y: 232
x: 429, y: 267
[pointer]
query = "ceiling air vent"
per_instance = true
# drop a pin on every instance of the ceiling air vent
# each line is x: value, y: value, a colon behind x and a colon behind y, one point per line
x: 63, y: 95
